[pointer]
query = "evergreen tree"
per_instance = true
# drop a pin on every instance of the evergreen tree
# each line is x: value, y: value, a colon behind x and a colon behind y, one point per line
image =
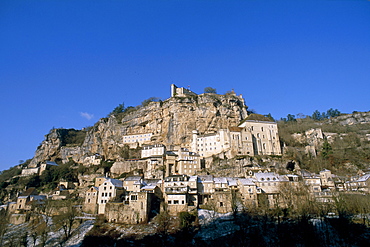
x: 210, y: 90
x: 291, y: 118
x: 119, y: 109
x: 326, y: 150
x: 316, y: 115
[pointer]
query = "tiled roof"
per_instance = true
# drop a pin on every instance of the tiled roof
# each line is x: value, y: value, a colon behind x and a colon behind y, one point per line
x: 115, y: 182
x: 268, y: 176
x: 29, y: 191
x: 232, y: 181
x: 206, y: 178
x: 246, y: 181
x: 133, y: 178
x: 364, y: 178
x: 221, y: 180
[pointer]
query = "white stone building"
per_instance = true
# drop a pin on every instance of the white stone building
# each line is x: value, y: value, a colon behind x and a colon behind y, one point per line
x: 137, y: 139
x: 109, y: 189
x: 252, y: 137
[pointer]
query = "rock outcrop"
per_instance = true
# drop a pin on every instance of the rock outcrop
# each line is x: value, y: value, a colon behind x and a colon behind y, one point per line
x: 170, y: 122
x: 354, y: 118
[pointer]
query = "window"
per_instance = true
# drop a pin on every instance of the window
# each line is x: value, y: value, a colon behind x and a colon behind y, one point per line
x: 133, y: 197
x: 176, y: 202
x: 221, y: 204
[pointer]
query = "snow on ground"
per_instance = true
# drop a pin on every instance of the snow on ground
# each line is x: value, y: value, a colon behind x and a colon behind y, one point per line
x: 79, y: 234
x: 208, y: 216
x: 215, y: 224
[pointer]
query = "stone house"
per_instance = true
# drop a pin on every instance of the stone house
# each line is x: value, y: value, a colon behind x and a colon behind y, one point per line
x: 361, y: 184
x: 193, y: 198
x: 153, y: 151
x: 176, y: 193
x: 46, y: 165
x: 327, y: 180
x: 137, y: 207
x: 133, y: 183
x: 154, y: 156
x: 248, y: 191
x: 99, y: 181
x: 137, y: 139
x: 64, y: 190
x: 24, y: 198
x: 108, y: 190
x: 268, y: 188
x: 26, y: 201
x: 30, y: 171
x: 264, y: 135
x: 313, y: 183
x: 60, y: 193
x: 221, y: 201
x: 221, y: 184
x: 206, y: 188
x: 91, y: 199
x: 12, y: 206
x: 171, y: 163
x: 93, y: 160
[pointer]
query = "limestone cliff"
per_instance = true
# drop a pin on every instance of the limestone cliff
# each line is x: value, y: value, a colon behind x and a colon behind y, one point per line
x: 170, y: 122
x: 354, y: 118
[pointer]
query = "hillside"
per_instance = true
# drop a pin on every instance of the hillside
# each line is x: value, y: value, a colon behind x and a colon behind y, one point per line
x: 80, y: 157
x: 341, y: 143
x: 170, y: 122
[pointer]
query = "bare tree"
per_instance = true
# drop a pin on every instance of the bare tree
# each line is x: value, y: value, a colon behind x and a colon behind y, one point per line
x: 163, y: 220
x: 4, y: 225
x: 66, y: 218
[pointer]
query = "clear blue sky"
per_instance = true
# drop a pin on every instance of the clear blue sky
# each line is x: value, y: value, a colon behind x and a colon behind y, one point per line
x: 69, y: 63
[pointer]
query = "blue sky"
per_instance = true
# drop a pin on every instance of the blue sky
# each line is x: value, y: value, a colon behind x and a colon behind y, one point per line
x: 69, y: 63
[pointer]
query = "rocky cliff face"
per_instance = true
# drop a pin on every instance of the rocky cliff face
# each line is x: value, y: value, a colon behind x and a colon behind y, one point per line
x: 171, y: 122
x: 354, y: 118
x: 48, y: 149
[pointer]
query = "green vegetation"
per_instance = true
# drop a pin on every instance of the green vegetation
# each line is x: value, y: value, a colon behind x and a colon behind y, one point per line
x: 258, y: 117
x: 72, y: 137
x: 117, y: 110
x: 347, y: 149
x: 329, y: 114
x: 6, y: 175
x: 148, y: 101
x: 210, y: 90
